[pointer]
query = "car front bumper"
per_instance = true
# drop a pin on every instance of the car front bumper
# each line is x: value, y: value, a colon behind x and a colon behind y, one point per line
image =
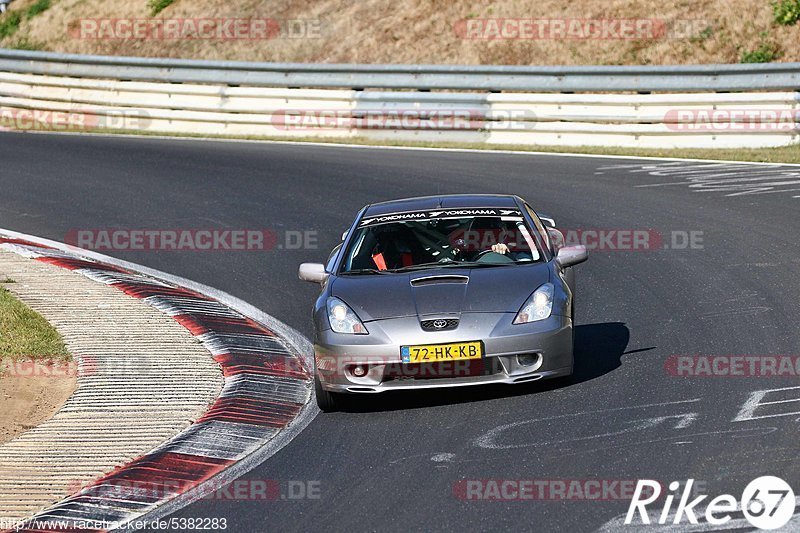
x: 513, y: 354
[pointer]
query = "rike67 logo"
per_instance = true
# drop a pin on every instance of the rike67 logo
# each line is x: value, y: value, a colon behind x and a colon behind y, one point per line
x: 767, y: 502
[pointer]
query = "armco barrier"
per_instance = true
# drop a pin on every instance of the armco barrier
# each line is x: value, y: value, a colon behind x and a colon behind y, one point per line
x: 57, y: 91
x: 768, y: 76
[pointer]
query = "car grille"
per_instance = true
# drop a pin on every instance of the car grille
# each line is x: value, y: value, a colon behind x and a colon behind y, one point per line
x: 440, y: 324
x: 442, y: 370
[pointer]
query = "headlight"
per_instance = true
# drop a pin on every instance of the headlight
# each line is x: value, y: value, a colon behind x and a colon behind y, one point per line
x: 538, y: 306
x: 343, y: 319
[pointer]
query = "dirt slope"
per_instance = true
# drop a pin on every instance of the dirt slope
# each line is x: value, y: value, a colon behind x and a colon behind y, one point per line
x: 431, y: 31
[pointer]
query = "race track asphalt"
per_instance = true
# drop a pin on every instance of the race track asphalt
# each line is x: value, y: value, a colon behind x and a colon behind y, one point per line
x: 394, y: 463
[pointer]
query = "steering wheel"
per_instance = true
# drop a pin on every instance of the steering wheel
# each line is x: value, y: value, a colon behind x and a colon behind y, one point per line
x: 485, y: 254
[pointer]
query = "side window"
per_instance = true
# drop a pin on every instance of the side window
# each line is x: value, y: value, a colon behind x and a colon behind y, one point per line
x: 541, y: 230
x: 332, y: 258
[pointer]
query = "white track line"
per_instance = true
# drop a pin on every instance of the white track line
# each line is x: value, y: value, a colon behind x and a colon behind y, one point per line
x: 416, y: 148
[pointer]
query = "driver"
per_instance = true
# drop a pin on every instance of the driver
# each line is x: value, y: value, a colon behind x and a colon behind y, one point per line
x: 500, y: 248
x: 502, y: 237
x: 490, y: 229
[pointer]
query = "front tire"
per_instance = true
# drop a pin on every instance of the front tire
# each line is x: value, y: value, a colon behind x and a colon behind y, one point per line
x: 326, y: 400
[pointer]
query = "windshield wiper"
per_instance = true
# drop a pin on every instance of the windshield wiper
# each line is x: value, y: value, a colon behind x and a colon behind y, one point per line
x: 477, y: 264
x: 360, y: 271
x: 448, y: 264
x: 423, y: 266
x: 437, y: 264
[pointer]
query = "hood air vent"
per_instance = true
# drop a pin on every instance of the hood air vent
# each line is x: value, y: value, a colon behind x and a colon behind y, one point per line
x: 435, y: 280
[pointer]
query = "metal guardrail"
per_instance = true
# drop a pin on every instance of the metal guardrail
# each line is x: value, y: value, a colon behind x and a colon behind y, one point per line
x: 768, y: 76
x: 47, y: 91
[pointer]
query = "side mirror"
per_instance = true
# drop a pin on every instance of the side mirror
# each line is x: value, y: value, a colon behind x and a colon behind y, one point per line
x: 572, y: 255
x: 314, y: 272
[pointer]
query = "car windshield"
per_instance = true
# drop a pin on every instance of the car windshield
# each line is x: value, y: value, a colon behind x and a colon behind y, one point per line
x: 406, y: 242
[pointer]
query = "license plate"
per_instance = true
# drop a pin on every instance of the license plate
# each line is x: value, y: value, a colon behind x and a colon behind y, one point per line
x: 431, y: 353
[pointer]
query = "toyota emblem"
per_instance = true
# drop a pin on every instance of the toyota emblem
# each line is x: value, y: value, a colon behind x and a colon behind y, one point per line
x: 439, y: 324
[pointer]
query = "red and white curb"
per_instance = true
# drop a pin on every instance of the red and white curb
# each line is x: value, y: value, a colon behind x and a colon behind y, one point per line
x: 264, y: 403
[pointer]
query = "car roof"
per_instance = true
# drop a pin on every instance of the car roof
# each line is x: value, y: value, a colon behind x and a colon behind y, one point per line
x: 446, y: 201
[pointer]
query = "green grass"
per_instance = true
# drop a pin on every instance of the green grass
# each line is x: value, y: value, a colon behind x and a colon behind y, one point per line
x: 40, y: 6
x: 26, y: 44
x: 157, y: 6
x: 765, y: 53
x: 706, y: 33
x: 9, y: 24
x: 24, y: 334
x: 786, y: 12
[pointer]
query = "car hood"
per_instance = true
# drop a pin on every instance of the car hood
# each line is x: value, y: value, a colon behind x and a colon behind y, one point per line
x: 444, y: 291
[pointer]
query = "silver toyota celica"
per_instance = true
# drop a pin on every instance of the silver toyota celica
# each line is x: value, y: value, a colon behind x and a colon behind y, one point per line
x: 443, y: 291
